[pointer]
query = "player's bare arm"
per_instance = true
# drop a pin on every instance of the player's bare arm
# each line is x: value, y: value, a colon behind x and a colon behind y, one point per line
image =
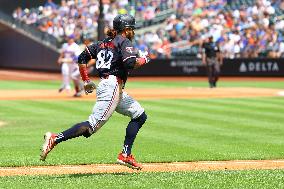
x: 91, y: 63
x: 83, y: 60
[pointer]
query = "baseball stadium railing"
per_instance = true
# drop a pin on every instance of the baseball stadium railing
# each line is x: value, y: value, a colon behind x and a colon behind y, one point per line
x: 54, y: 43
x: 29, y: 31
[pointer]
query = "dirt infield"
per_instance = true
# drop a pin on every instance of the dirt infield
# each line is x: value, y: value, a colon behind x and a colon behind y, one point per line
x: 42, y: 76
x: 147, y: 167
x: 170, y: 93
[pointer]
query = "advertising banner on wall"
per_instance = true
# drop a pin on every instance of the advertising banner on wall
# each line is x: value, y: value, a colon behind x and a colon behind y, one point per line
x: 253, y: 67
x: 230, y: 67
x: 172, y: 67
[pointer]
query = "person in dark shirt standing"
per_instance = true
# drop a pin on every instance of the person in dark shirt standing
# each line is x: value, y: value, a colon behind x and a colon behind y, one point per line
x: 212, y: 58
x: 115, y: 56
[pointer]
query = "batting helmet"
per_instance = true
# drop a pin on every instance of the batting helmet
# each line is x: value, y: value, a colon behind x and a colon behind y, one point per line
x: 123, y: 21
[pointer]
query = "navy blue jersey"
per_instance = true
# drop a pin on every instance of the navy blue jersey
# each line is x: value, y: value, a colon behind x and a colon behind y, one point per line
x: 211, y: 49
x: 113, y: 56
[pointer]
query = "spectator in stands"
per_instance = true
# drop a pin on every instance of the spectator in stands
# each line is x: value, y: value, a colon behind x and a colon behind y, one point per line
x: 141, y: 45
x: 18, y: 13
x: 50, y: 3
x: 229, y: 2
x: 166, y: 47
x: 193, y: 36
x: 183, y: 34
x: 149, y: 13
x: 240, y: 29
x: 173, y: 36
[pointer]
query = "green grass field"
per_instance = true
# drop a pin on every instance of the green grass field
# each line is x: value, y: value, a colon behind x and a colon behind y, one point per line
x: 182, y: 180
x: 176, y: 130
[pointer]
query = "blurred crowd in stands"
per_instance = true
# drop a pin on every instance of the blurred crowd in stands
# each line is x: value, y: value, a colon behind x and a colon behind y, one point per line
x: 251, y: 28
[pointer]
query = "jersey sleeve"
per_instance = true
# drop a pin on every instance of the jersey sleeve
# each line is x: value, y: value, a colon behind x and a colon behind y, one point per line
x: 88, y: 54
x: 92, y: 50
x: 128, y: 51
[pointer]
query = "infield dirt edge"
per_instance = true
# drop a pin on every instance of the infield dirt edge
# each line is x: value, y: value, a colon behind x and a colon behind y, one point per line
x: 147, y: 167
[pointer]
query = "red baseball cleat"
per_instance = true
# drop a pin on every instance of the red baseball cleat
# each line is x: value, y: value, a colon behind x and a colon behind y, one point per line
x: 48, y: 145
x: 128, y: 161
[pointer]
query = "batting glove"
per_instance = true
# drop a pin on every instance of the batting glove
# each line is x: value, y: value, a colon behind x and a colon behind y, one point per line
x: 145, y: 55
x: 89, y: 87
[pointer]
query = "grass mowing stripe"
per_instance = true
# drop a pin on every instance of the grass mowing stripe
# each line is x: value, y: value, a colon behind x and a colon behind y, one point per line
x: 236, y: 102
x: 183, y: 146
x: 276, y: 102
x: 80, y: 107
x: 211, y: 118
x: 241, y: 116
x: 172, y: 144
x: 196, y: 132
x: 244, y: 102
x: 221, y: 126
x: 259, y: 103
x: 44, y: 107
x: 207, y: 126
x: 183, y: 149
x: 240, y: 110
x: 268, y: 101
x: 202, y: 113
x: 236, y: 109
x: 213, y: 145
x: 245, y: 134
x: 213, y: 129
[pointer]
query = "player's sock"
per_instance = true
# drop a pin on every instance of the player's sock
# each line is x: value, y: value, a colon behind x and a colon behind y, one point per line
x: 131, y: 131
x: 79, y: 129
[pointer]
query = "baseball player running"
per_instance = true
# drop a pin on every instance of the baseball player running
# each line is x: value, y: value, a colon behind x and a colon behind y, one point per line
x: 69, y: 68
x: 115, y: 56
